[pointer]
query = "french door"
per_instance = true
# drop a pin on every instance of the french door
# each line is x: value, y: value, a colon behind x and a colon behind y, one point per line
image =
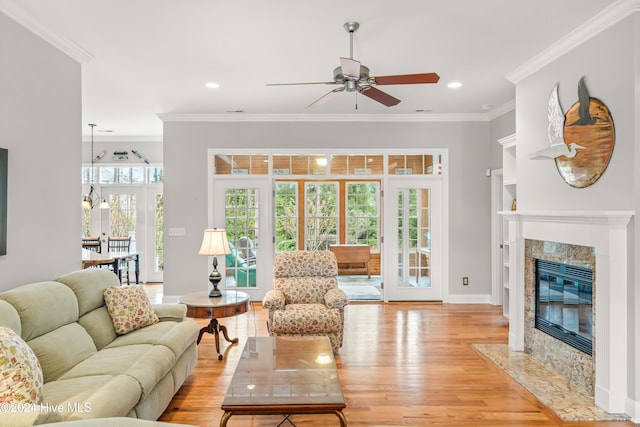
x: 134, y: 213
x: 413, y: 242
x: 242, y: 207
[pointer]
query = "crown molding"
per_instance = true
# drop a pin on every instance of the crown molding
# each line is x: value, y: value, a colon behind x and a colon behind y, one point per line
x: 501, y: 110
x: 402, y: 118
x: 22, y: 17
x: 123, y: 138
x: 592, y: 27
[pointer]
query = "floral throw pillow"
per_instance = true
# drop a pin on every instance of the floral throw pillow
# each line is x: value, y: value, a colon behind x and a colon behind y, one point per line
x: 20, y: 371
x: 129, y: 308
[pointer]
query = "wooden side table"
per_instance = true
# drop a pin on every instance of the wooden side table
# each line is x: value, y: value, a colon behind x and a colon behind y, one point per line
x: 200, y: 305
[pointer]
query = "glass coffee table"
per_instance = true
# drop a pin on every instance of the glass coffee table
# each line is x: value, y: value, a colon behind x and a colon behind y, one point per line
x: 285, y: 376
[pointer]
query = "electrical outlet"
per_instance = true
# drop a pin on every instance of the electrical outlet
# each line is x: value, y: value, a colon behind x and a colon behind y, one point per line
x: 465, y: 281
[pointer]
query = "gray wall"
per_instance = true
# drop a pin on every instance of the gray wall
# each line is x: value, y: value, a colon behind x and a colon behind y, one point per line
x: 40, y: 114
x: 501, y: 126
x: 611, y: 63
x: 185, y: 189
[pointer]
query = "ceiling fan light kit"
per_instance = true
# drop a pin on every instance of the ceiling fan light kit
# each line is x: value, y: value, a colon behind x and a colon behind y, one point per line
x: 355, y: 77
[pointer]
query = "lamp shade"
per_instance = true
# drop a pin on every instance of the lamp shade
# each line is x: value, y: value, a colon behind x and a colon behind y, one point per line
x: 214, y: 242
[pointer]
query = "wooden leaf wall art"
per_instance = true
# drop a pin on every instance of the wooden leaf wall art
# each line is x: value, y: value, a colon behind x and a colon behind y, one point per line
x: 581, y: 141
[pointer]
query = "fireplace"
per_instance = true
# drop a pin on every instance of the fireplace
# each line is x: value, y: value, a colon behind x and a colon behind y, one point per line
x: 596, y: 240
x: 564, y: 303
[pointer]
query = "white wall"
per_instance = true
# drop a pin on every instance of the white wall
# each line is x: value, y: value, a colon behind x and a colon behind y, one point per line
x: 185, y: 189
x: 40, y: 113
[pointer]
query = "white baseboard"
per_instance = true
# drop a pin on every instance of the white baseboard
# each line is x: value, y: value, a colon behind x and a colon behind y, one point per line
x: 468, y: 299
x: 632, y: 409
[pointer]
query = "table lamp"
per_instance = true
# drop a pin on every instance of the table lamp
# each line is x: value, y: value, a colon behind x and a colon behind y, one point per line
x: 214, y: 243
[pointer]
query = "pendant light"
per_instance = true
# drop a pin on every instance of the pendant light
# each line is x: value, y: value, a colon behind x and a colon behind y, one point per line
x: 90, y: 200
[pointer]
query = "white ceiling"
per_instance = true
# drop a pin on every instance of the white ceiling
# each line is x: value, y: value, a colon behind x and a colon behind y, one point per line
x: 148, y: 57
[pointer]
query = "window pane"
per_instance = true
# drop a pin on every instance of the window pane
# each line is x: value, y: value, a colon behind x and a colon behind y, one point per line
x: 241, y: 224
x: 223, y: 164
x: 123, y: 215
x: 286, y: 216
x: 107, y: 175
x: 137, y: 175
x: 88, y: 175
x: 362, y: 214
x: 159, y: 265
x: 155, y: 175
x: 282, y: 164
x: 321, y: 229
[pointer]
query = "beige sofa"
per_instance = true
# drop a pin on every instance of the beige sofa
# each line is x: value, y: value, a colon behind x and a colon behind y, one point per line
x: 89, y: 371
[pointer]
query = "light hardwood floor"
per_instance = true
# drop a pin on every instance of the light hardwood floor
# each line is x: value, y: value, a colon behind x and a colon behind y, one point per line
x: 402, y: 364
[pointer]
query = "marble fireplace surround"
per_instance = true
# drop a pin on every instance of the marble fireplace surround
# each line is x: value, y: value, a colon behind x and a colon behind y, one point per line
x: 607, y: 234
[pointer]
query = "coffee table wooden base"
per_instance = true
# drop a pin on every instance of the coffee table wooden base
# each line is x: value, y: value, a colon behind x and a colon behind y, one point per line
x: 214, y: 327
x: 286, y: 411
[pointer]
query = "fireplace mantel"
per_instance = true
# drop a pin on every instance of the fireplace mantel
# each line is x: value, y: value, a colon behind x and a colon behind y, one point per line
x: 606, y: 232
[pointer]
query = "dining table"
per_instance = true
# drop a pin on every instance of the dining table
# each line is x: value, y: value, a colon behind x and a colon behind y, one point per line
x: 97, y: 259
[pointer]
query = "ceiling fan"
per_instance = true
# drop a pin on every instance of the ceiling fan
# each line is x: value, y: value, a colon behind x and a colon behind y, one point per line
x: 354, y: 77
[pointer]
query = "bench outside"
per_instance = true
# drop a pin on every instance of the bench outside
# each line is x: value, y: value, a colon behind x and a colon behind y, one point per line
x: 352, y: 259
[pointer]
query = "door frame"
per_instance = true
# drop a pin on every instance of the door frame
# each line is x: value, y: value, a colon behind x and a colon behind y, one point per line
x: 439, y: 239
x: 141, y: 241
x: 264, y: 252
x: 497, y: 262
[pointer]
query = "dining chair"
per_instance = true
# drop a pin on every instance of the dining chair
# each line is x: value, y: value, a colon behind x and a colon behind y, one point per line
x: 120, y: 244
x: 92, y: 244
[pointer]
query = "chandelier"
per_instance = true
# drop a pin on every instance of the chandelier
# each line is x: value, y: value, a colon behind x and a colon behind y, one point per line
x: 91, y: 199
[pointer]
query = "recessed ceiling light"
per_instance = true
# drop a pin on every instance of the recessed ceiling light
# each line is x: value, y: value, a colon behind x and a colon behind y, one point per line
x: 212, y: 85
x: 454, y: 85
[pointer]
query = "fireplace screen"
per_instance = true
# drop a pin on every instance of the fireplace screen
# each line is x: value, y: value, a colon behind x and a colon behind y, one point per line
x: 564, y: 303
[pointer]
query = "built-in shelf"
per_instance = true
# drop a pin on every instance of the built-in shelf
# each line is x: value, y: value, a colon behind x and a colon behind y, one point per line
x: 509, y: 205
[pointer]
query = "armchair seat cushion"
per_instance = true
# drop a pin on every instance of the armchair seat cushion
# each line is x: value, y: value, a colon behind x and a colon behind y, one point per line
x: 307, y: 319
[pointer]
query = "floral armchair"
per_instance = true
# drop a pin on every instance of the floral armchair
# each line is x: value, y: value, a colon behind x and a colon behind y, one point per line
x: 305, y: 299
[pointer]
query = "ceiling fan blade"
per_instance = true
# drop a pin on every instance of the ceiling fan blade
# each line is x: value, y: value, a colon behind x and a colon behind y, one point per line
x: 407, y: 79
x: 297, y: 84
x: 380, y: 96
x: 315, y: 104
x: 350, y: 67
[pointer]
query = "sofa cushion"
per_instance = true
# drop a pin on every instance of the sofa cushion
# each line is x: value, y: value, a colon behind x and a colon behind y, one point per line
x: 88, y: 285
x: 42, y: 307
x: 9, y: 317
x: 129, y: 308
x: 20, y: 372
x: 146, y: 363
x: 99, y: 325
x: 175, y: 335
x: 93, y: 396
x: 62, y: 349
x: 307, y: 319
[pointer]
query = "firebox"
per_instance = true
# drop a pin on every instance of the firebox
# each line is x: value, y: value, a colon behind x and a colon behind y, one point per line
x: 564, y: 303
